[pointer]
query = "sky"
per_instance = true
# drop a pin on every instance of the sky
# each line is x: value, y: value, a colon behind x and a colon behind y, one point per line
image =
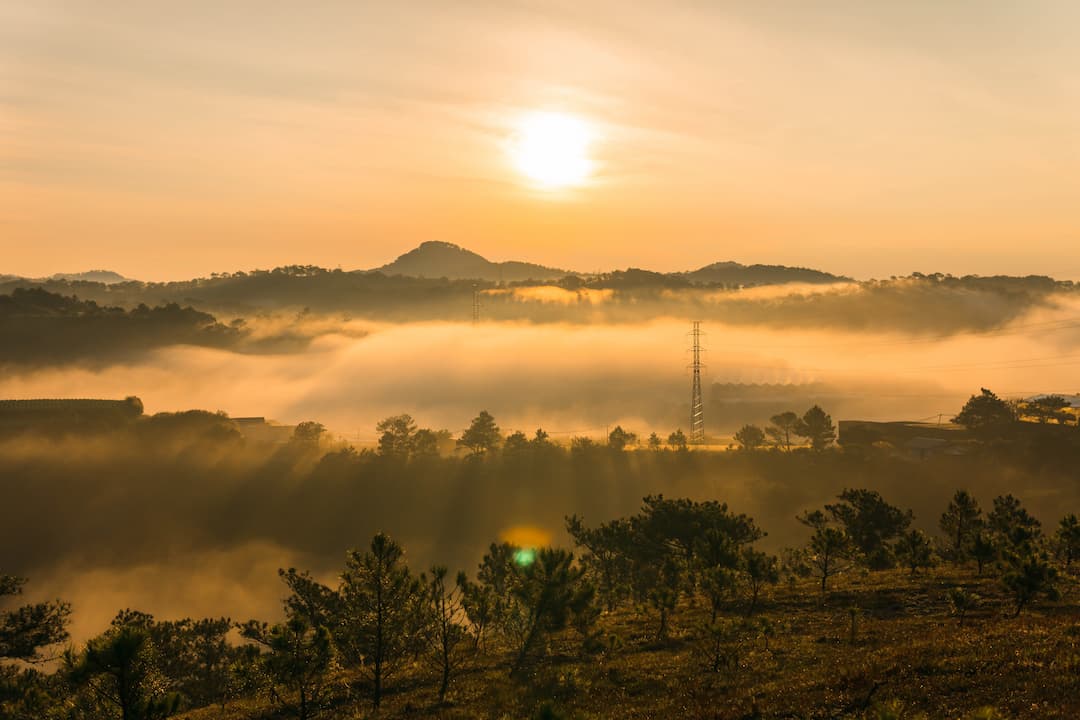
x: 171, y: 140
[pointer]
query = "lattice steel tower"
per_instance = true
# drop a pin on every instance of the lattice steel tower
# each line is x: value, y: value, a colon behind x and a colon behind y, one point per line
x: 475, y: 304
x: 697, y: 412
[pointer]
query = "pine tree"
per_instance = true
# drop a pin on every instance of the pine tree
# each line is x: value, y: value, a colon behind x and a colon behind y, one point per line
x: 482, y: 435
x: 914, y: 550
x: 379, y: 623
x: 445, y: 630
x: 960, y: 522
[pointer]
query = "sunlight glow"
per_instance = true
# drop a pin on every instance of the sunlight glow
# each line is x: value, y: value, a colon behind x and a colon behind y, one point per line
x: 552, y: 149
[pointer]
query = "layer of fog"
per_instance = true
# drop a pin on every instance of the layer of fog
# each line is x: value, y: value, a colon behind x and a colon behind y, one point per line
x: 577, y: 379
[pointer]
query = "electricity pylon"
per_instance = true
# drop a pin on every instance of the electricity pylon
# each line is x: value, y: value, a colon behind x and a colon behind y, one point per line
x: 697, y: 410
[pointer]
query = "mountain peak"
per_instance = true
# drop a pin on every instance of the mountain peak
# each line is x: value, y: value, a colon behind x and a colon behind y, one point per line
x: 437, y: 258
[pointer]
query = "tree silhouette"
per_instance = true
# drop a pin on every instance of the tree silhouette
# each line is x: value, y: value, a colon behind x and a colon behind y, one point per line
x: 781, y: 429
x: 445, y: 632
x: 118, y: 667
x: 482, y: 435
x: 759, y: 570
x: 986, y: 414
x: 300, y: 663
x: 606, y: 557
x: 1013, y: 527
x: 480, y: 605
x: 379, y: 594
x: 1029, y: 575
x: 1068, y: 538
x: 1049, y: 407
x: 871, y: 523
x: 962, y: 603
x: 516, y: 443
x: 308, y: 433
x: 26, y: 630
x: 983, y: 550
x: 830, y: 547
x: 716, y: 559
x: 552, y: 594
x: 425, y: 442
x: 913, y: 549
x: 817, y: 426
x: 619, y: 439
x: 25, y: 634
x: 750, y: 437
x: 960, y: 522
x: 677, y: 440
x: 396, y: 435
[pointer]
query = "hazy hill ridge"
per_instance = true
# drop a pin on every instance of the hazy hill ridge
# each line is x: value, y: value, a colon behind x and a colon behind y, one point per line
x: 106, y: 277
x: 918, y: 303
x: 435, y: 259
x: 733, y: 273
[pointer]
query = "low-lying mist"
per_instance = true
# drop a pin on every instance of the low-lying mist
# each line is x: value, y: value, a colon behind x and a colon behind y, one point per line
x: 579, y: 379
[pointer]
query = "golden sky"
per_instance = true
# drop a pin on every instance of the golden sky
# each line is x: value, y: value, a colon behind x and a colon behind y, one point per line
x: 168, y: 140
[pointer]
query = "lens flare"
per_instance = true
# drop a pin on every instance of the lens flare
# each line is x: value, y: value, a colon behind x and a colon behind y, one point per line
x: 525, y: 557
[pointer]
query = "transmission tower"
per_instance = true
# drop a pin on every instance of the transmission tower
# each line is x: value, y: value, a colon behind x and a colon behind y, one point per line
x: 475, y: 304
x: 697, y: 413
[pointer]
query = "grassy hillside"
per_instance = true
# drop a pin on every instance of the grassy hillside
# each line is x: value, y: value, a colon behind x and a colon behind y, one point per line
x: 794, y: 658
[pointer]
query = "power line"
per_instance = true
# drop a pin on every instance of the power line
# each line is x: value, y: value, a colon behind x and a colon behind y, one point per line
x: 1018, y: 329
x: 1012, y: 364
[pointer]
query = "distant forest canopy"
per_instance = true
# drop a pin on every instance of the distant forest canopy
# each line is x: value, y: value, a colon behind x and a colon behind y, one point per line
x: 40, y: 327
x: 920, y: 304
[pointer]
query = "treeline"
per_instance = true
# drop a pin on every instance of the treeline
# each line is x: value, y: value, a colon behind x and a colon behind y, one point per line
x: 348, y: 643
x: 918, y: 303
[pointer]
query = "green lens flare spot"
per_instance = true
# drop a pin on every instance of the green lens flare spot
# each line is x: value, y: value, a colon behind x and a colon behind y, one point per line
x: 525, y: 557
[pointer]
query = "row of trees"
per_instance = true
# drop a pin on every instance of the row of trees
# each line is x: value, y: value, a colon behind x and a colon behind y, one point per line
x: 863, y: 529
x: 399, y: 436
x: 985, y: 414
x: 815, y: 427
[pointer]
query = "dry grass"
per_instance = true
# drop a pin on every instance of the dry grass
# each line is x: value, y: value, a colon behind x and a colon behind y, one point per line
x: 907, y: 648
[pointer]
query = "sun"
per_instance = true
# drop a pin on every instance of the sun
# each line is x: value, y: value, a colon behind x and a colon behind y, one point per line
x: 552, y: 149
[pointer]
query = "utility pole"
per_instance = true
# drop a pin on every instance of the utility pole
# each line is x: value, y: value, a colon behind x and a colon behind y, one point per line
x: 475, y: 304
x: 697, y: 412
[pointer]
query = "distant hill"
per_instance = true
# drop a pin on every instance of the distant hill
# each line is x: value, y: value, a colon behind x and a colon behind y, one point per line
x: 106, y: 277
x: 436, y: 259
x: 733, y: 273
x: 102, y: 276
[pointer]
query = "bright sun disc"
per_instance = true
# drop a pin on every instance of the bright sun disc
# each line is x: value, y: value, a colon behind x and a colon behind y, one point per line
x: 552, y: 149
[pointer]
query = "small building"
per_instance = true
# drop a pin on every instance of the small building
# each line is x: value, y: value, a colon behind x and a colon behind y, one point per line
x: 260, y: 431
x: 916, y: 440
